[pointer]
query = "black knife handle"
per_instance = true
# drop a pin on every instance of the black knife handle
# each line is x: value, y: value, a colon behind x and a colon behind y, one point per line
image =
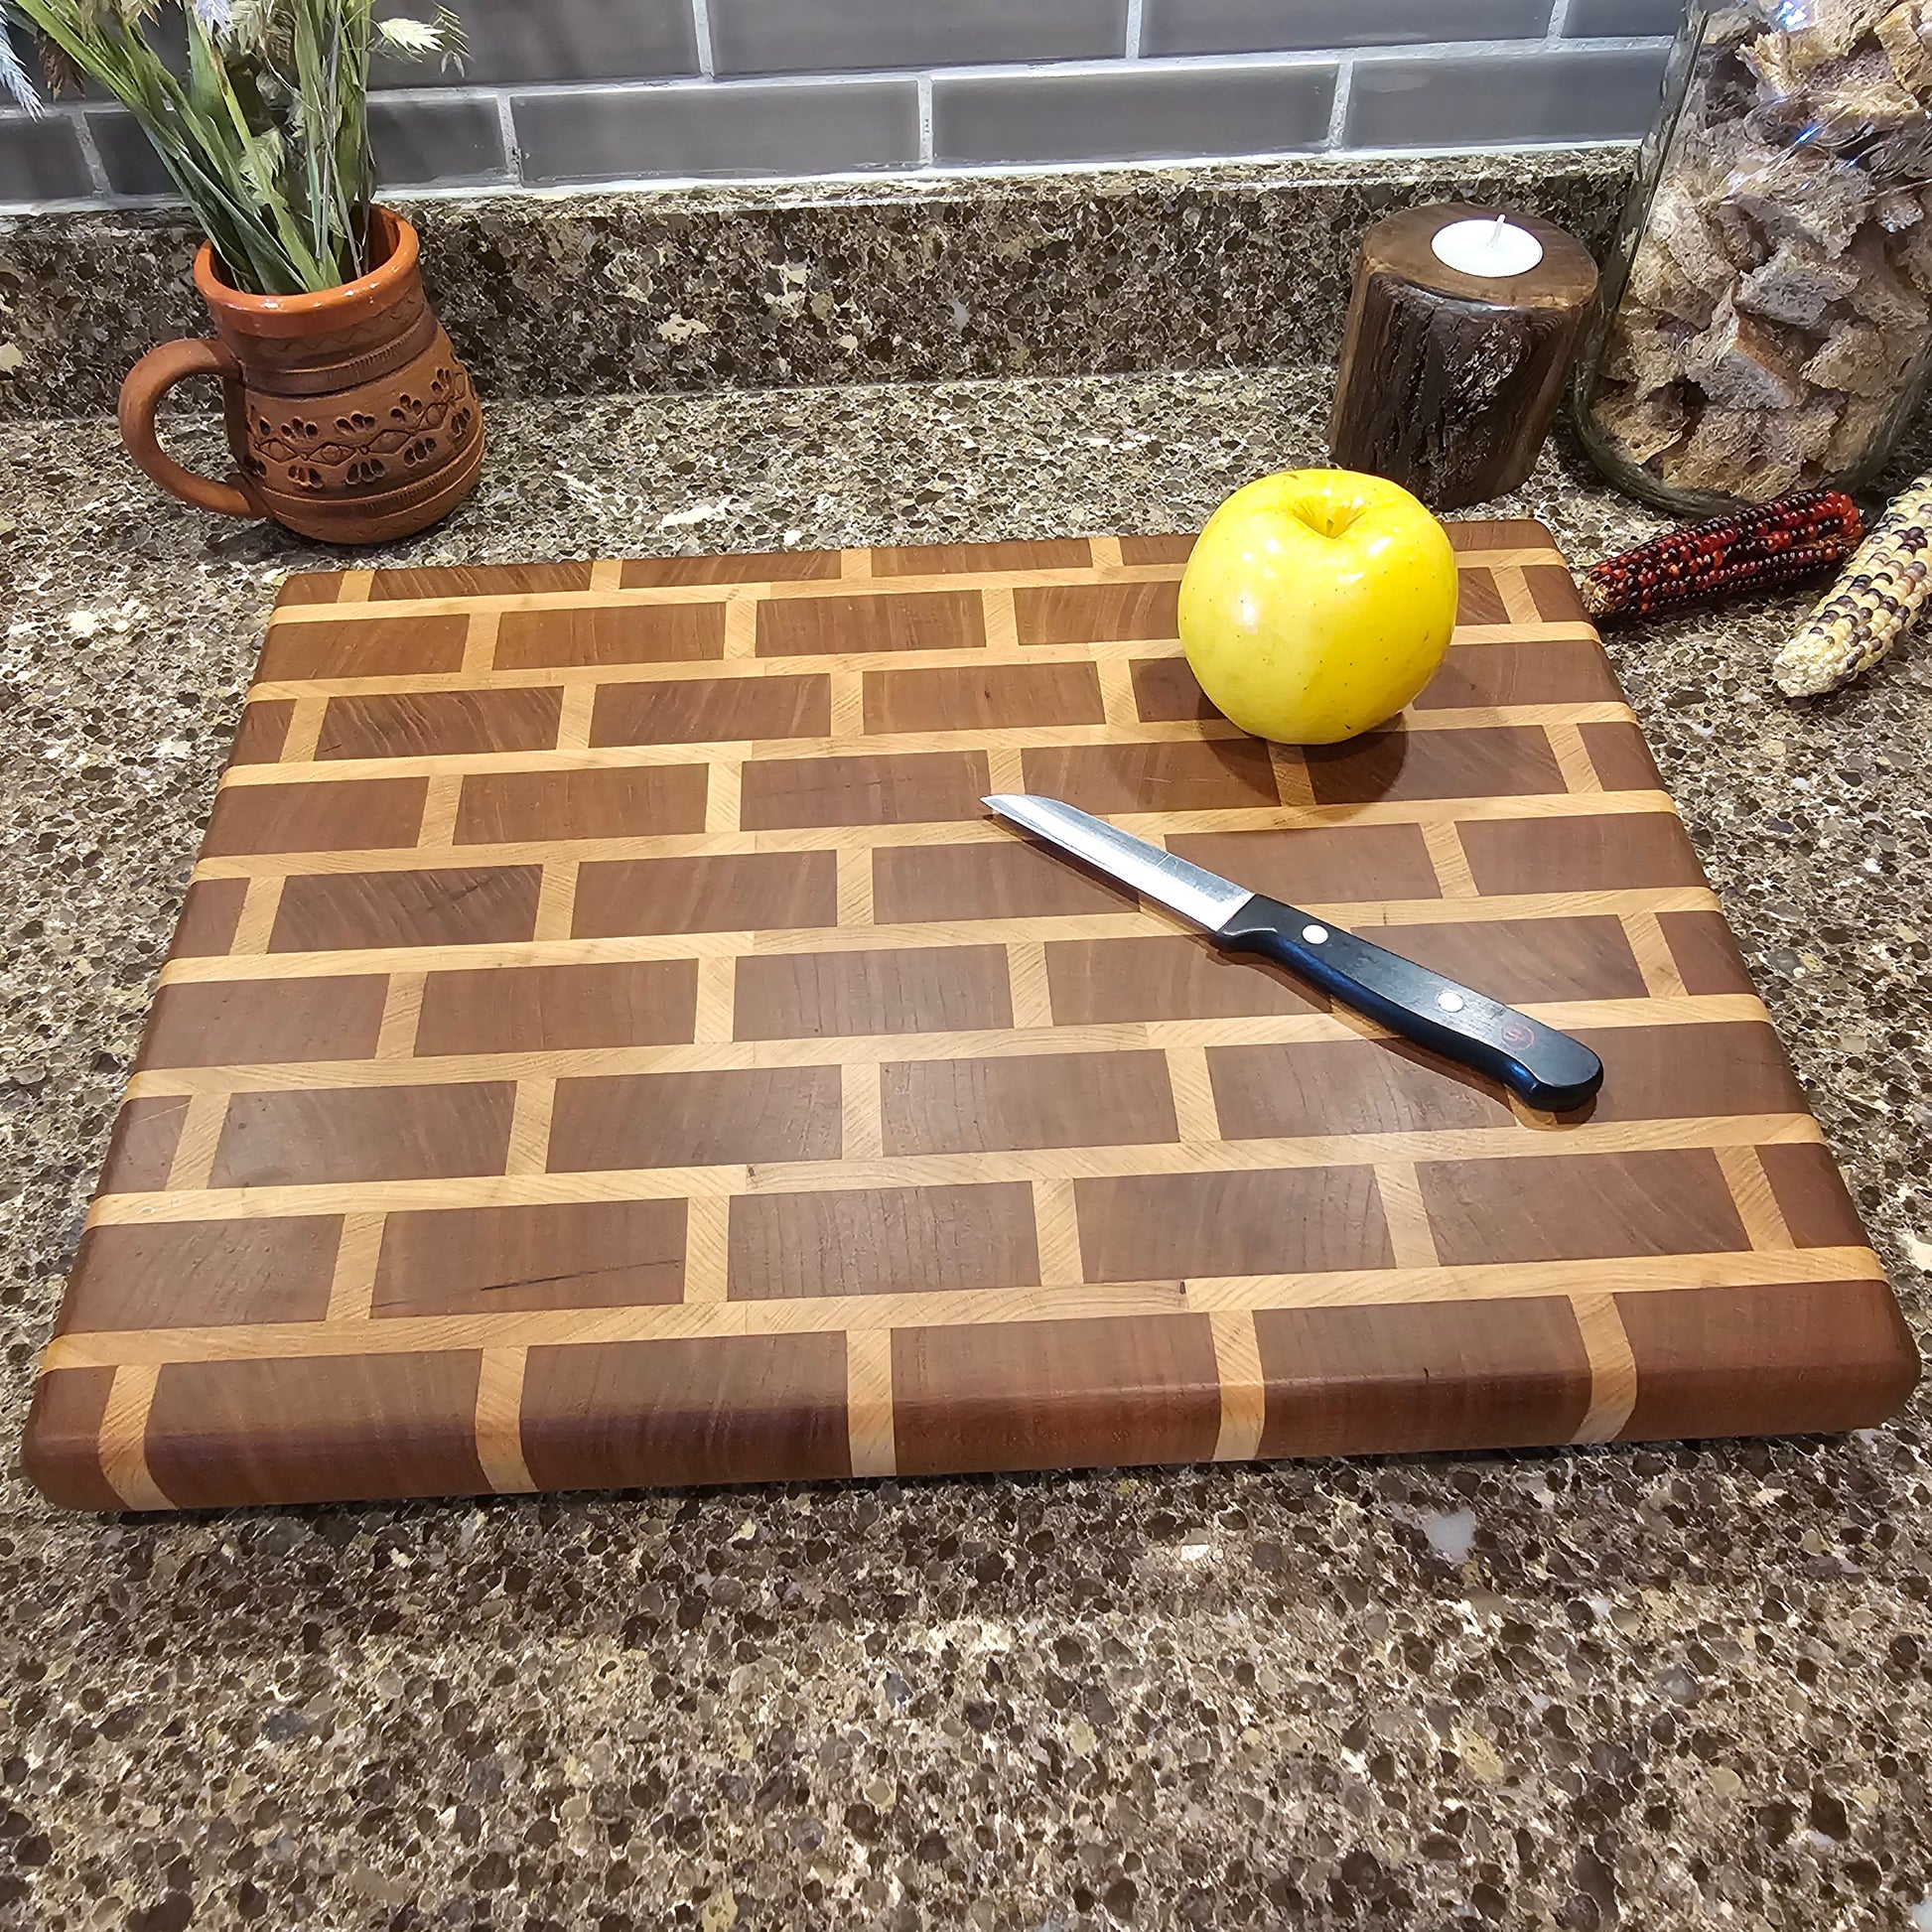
x: 1548, y: 1069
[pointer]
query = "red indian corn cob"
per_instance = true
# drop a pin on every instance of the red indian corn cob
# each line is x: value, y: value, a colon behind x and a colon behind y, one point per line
x: 1747, y: 549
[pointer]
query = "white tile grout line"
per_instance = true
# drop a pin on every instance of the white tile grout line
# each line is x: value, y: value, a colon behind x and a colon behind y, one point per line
x: 1135, y: 9
x: 1339, y: 107
x: 91, y: 153
x: 1558, y: 19
x: 701, y: 29
x: 512, y: 148
x: 925, y: 120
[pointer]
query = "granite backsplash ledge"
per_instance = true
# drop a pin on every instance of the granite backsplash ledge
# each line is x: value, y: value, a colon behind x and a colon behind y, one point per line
x: 1225, y: 266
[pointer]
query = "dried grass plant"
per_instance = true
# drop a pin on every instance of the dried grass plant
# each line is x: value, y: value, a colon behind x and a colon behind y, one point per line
x: 263, y: 125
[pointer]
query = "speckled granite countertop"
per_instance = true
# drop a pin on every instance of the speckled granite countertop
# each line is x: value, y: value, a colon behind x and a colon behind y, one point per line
x: 1648, y: 1687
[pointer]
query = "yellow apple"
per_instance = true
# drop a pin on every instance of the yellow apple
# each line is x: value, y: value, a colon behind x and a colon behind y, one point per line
x: 1316, y: 603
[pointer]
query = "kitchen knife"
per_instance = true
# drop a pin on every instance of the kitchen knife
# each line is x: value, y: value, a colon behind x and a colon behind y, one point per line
x: 1548, y: 1069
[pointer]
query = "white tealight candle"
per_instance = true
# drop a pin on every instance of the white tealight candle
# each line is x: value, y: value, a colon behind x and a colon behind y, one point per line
x: 1493, y: 249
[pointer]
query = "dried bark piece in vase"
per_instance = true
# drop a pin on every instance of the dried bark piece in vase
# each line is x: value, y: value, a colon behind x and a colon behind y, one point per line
x: 1448, y: 380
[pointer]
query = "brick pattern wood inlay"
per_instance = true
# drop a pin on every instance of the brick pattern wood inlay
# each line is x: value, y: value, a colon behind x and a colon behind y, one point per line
x: 607, y: 1042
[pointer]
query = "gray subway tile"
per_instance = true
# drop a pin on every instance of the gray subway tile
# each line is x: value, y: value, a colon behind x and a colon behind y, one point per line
x: 423, y: 143
x: 1572, y: 94
x: 1267, y: 25
x: 40, y: 160
x: 133, y: 166
x: 807, y: 35
x: 560, y: 40
x: 1613, y: 16
x: 1129, y: 114
x: 819, y: 128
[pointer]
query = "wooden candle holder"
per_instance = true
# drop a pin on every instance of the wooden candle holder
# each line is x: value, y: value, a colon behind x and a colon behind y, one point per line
x: 1448, y: 380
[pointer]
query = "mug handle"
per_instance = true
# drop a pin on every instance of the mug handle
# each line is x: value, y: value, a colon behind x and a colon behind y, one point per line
x: 147, y: 383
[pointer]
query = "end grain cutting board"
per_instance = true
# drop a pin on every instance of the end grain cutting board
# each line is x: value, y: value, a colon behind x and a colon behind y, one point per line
x: 608, y: 1042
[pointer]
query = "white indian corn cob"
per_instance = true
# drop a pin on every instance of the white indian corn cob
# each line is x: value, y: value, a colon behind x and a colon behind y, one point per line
x: 1867, y: 610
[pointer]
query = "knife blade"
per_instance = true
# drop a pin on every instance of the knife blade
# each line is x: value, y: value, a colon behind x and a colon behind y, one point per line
x: 1548, y: 1069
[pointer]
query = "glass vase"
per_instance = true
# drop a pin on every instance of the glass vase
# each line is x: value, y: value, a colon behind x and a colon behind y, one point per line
x: 1764, y: 320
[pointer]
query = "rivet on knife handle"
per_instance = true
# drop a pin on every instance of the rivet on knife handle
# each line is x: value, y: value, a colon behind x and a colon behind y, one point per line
x: 1548, y: 1069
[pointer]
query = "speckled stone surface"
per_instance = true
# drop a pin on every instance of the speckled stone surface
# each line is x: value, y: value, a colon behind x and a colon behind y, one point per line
x: 1183, y: 267
x: 1684, y: 1687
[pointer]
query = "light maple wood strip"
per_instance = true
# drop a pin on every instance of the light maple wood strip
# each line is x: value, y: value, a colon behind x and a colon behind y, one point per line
x: 572, y: 752
x: 966, y: 831
x: 531, y: 1329
x: 1193, y: 1091
x: 848, y: 704
x: 1184, y: 1040
x: 854, y: 893
x: 1654, y: 958
x: 1105, y: 552
x: 869, y: 1402
x: 1291, y: 780
x: 354, y: 588
x: 740, y: 634
x: 996, y: 608
x: 529, y: 1146
x: 573, y: 730
x: 1244, y: 1389
x: 351, y: 1288
x: 707, y: 1248
x: 200, y: 1134
x: 259, y: 905
x: 858, y: 581
x: 944, y: 1169
x: 1058, y: 1231
x: 1152, y: 922
x: 1411, y: 1239
x: 304, y: 728
x: 1118, y: 704
x: 859, y: 1113
x: 721, y: 800
x: 1450, y: 862
x: 1573, y: 759
x: 499, y: 1420
x: 480, y: 642
x: 1033, y: 999
x: 716, y: 995
x: 440, y: 806
x: 1750, y: 1190
x: 125, y: 1438
x: 1514, y: 591
x: 556, y: 909
x: 402, y: 1012
x: 1511, y: 554
x: 606, y: 574
x: 1612, y: 1367
x: 1003, y: 772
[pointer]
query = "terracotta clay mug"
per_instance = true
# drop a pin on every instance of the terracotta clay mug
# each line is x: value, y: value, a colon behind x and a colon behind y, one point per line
x: 349, y: 416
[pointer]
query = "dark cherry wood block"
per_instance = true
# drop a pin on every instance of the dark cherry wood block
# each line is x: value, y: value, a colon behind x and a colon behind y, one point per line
x: 919, y: 990
x: 1030, y: 1395
x: 1293, y: 1221
x: 373, y: 1425
x: 729, y: 892
x: 439, y: 724
x: 668, y: 1072
x: 883, y: 1241
x: 307, y: 1136
x: 558, y: 1008
x: 202, y: 1273
x: 456, y: 906
x: 628, y: 634
x: 1422, y: 1375
x: 695, y: 1120
x: 717, y: 1409
x: 575, y: 1255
